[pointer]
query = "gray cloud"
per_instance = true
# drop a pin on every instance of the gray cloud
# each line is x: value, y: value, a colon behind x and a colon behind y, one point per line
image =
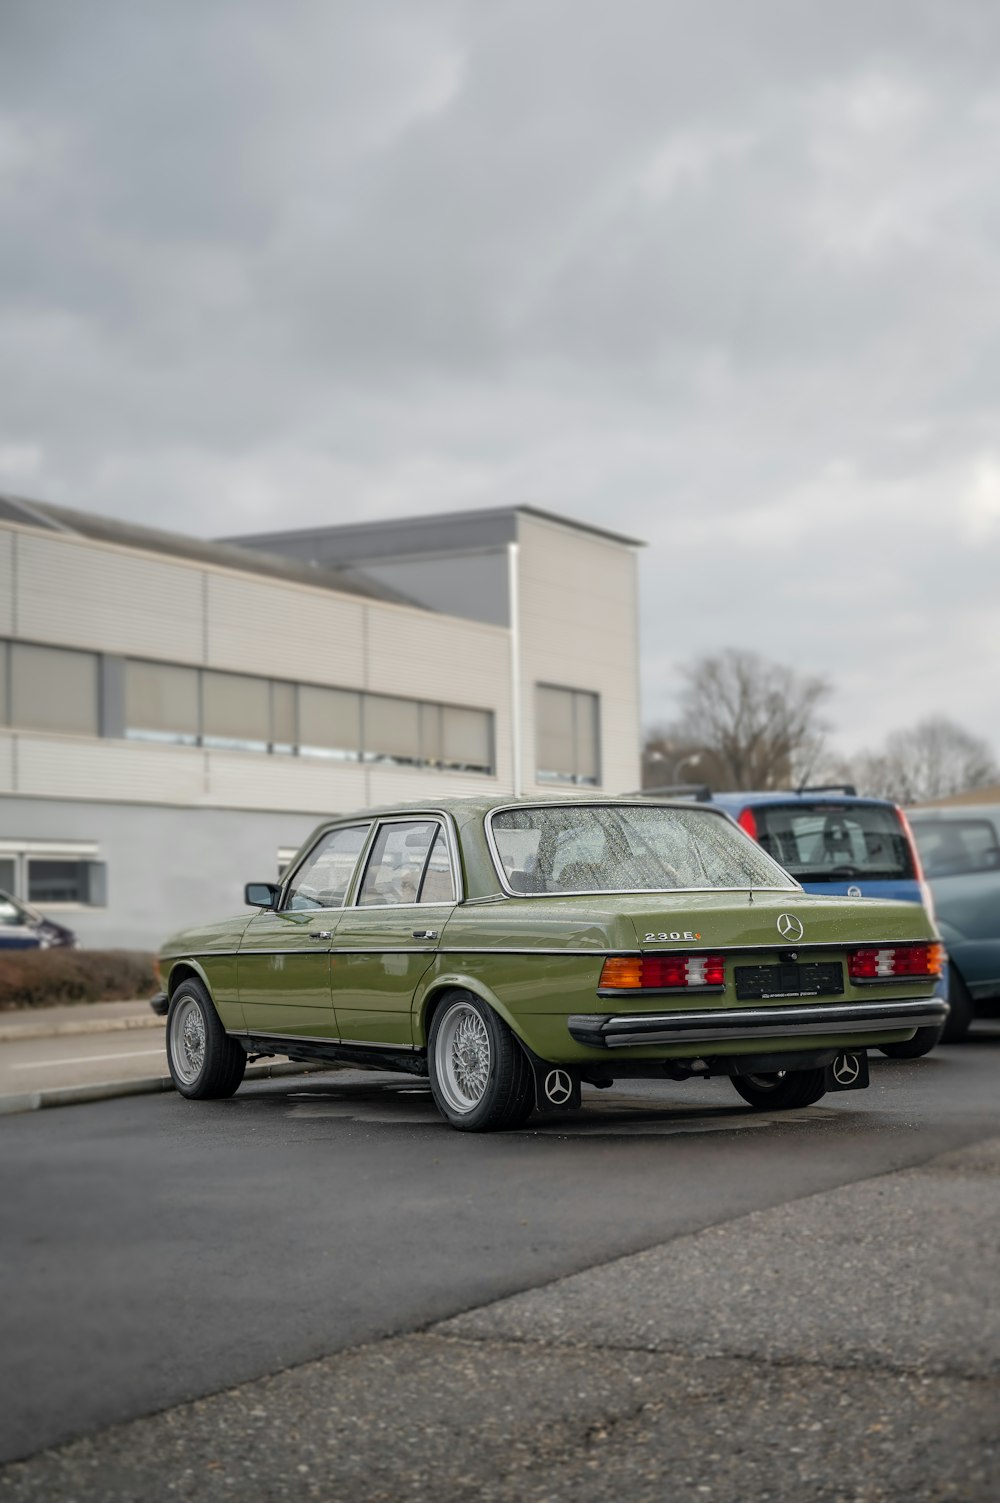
x: 721, y: 276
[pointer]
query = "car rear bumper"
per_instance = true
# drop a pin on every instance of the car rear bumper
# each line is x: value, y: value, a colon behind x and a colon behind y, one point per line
x: 722, y: 1025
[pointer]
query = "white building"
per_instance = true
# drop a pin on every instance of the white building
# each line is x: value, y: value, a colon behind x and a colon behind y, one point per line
x: 176, y: 714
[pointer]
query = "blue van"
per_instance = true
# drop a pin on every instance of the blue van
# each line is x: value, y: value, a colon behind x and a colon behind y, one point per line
x: 835, y: 842
x: 959, y: 846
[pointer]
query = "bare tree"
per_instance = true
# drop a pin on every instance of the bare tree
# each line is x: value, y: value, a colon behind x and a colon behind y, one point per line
x: 930, y: 760
x: 745, y: 723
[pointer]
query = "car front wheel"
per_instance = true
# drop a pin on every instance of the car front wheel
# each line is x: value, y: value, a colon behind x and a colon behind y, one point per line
x: 204, y: 1063
x: 480, y: 1078
x: 783, y: 1091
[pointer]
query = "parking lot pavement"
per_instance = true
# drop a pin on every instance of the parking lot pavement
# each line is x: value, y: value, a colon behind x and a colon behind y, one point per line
x: 843, y: 1347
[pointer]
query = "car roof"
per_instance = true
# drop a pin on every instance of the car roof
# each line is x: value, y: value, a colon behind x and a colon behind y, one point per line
x: 955, y: 811
x: 832, y: 795
x: 477, y: 806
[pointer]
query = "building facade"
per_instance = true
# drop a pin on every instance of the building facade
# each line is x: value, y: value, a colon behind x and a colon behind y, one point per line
x: 176, y: 715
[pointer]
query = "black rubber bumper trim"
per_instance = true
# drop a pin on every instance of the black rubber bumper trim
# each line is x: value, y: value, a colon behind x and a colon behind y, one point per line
x: 732, y: 1024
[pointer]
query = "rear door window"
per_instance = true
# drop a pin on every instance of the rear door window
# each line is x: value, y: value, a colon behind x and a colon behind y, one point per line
x: 951, y: 847
x: 830, y: 842
x: 396, y: 866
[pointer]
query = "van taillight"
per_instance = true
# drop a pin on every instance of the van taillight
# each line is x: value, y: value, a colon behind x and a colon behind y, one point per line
x: 747, y: 820
x: 926, y: 896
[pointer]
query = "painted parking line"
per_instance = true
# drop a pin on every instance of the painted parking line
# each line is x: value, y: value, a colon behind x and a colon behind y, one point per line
x: 83, y: 1059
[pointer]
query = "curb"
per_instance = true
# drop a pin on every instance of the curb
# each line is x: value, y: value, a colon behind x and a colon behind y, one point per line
x: 13, y: 1033
x: 33, y: 1101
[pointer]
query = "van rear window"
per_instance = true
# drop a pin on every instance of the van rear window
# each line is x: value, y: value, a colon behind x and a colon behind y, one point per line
x: 830, y: 842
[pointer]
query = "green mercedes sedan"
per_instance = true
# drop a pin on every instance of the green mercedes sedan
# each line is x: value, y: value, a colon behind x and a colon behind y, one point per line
x: 512, y: 951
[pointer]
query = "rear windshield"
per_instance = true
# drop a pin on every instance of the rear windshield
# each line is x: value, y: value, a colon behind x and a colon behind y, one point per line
x: 633, y: 848
x: 828, y: 842
x: 953, y: 846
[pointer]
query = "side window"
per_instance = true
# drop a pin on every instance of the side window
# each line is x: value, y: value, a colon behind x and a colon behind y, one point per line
x: 952, y: 847
x: 438, y: 885
x: 397, y: 861
x: 325, y: 875
x: 10, y: 915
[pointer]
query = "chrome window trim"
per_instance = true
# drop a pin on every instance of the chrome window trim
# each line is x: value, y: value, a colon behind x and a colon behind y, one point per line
x: 790, y: 885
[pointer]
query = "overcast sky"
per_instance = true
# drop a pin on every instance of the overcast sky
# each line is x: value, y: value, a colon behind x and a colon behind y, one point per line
x: 721, y: 276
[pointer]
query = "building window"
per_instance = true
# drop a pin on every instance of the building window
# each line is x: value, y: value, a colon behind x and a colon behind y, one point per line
x: 53, y: 689
x: 47, y: 873
x: 284, y: 722
x: 456, y: 739
x: 57, y: 689
x: 567, y: 741
x: 236, y: 711
x: 161, y: 703
x: 329, y: 723
x: 63, y: 881
x: 392, y: 730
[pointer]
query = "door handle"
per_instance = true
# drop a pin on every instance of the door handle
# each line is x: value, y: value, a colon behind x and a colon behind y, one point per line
x: 425, y: 934
x: 320, y: 933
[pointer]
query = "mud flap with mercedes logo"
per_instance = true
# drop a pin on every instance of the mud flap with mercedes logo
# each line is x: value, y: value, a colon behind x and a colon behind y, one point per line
x: 557, y: 1088
x: 848, y: 1072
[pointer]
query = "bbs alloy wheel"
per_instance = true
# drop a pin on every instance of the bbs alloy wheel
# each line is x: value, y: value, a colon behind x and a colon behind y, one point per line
x: 480, y: 1078
x: 204, y: 1062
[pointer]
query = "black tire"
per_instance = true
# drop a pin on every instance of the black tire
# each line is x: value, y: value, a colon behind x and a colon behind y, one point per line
x: 922, y: 1042
x: 781, y: 1092
x: 480, y: 1078
x: 205, y: 1064
x: 963, y: 1008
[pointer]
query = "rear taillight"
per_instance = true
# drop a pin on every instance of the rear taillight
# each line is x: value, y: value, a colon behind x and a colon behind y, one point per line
x: 898, y: 962
x: 747, y: 820
x: 926, y: 896
x: 663, y: 972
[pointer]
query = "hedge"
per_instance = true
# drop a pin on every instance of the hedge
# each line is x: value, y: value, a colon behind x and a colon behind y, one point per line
x: 45, y: 978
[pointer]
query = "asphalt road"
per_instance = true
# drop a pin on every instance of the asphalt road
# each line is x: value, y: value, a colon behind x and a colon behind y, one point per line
x: 154, y: 1250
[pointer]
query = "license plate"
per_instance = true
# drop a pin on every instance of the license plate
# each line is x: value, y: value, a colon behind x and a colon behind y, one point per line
x: 757, y: 983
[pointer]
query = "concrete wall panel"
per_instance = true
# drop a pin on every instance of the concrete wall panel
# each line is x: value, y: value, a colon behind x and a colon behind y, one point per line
x: 73, y: 767
x: 82, y: 594
x: 7, y: 543
x: 578, y: 630
x: 312, y: 784
x: 256, y: 626
x: 437, y: 657
x: 6, y: 763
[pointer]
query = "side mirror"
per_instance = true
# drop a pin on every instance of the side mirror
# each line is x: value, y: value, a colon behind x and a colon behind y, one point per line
x: 261, y: 895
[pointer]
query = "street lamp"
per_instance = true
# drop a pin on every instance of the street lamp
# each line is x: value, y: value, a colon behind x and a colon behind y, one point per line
x: 693, y: 757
